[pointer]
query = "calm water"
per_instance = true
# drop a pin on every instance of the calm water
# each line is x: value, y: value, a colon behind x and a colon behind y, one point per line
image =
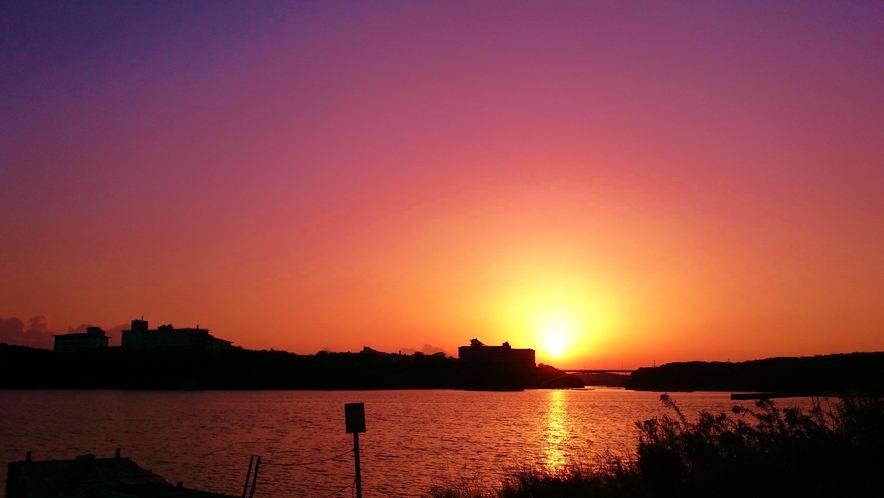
x: 415, y: 438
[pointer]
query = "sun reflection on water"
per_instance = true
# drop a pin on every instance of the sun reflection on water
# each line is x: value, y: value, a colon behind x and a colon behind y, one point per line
x: 558, y: 431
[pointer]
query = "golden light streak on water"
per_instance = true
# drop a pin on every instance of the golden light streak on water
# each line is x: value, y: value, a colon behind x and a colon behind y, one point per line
x: 557, y: 432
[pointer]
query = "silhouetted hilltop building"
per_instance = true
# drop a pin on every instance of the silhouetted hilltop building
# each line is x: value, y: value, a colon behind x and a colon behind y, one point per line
x: 503, y: 355
x: 393, y: 357
x: 497, y: 367
x: 93, y: 338
x: 167, y: 336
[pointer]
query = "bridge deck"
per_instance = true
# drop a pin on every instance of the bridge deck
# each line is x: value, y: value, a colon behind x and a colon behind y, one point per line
x: 599, y: 371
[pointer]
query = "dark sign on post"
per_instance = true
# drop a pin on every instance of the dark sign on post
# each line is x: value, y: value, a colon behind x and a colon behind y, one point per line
x: 354, y: 419
x: 354, y: 416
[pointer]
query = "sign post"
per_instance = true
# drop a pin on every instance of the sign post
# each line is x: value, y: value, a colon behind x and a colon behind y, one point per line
x: 354, y: 419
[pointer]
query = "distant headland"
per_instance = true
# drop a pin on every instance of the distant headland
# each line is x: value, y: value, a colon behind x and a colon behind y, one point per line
x: 811, y: 375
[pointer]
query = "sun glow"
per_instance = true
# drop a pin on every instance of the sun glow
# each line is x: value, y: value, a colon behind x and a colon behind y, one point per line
x: 555, y: 344
x: 557, y: 332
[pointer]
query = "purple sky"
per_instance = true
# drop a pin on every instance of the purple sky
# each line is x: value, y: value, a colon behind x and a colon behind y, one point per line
x: 647, y: 181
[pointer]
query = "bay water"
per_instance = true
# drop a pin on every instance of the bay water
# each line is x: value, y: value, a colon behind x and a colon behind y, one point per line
x: 414, y: 439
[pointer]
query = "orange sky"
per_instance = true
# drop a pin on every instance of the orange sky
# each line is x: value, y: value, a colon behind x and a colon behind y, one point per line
x: 701, y: 181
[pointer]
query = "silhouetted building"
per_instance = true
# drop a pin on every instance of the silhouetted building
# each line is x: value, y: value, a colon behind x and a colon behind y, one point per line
x: 93, y: 338
x: 393, y: 357
x: 167, y: 336
x: 503, y: 355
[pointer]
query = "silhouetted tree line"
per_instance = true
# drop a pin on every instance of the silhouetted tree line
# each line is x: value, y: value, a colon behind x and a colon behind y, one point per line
x: 809, y: 375
x: 181, y: 369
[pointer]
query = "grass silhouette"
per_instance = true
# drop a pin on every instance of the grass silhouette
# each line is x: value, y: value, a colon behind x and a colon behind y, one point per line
x: 765, y: 451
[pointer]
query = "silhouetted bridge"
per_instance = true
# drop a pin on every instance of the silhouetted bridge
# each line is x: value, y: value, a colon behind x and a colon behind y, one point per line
x: 568, y: 373
x: 611, y: 371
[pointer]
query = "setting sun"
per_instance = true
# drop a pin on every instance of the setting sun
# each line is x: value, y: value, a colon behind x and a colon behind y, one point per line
x: 557, y: 331
x: 555, y: 344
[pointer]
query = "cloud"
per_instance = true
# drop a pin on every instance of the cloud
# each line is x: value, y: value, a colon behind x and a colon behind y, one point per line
x: 427, y: 349
x: 12, y: 331
x: 38, y: 334
x: 38, y: 324
x: 79, y: 329
x: 116, y: 333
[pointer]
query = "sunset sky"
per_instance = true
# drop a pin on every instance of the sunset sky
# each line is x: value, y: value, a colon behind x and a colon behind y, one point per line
x: 649, y: 182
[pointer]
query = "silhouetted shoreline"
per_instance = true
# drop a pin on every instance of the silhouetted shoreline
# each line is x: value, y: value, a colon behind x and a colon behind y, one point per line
x: 804, y: 376
x: 23, y: 367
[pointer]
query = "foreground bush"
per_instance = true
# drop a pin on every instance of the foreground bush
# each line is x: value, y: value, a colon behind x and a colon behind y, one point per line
x: 611, y: 478
x: 750, y: 452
